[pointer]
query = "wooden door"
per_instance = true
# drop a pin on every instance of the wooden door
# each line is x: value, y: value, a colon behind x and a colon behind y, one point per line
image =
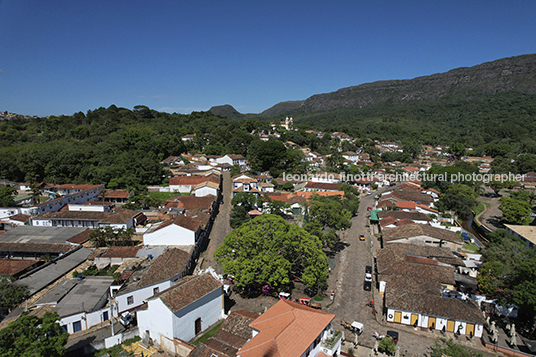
x: 197, y: 326
x: 414, y: 319
x: 470, y: 329
x: 431, y: 322
x: 450, y: 326
x: 398, y: 316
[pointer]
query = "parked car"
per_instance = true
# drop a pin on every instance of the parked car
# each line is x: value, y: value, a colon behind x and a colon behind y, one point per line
x: 367, y: 285
x: 361, y: 237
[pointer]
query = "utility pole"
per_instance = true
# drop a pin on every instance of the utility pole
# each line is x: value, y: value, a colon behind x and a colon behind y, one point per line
x: 111, y: 314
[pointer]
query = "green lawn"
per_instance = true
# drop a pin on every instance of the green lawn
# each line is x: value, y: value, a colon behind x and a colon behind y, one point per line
x: 470, y: 248
x: 162, y: 196
x: 208, y: 334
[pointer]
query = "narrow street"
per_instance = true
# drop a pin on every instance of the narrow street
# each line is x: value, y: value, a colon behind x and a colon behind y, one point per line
x: 349, y: 303
x: 221, y: 226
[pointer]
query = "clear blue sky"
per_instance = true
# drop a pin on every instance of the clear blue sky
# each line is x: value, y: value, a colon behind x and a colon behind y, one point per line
x: 61, y: 57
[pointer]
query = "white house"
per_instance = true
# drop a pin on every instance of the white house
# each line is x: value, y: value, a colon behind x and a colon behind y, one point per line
x: 72, y: 194
x: 206, y: 188
x: 232, y: 159
x: 181, y: 231
x: 152, y: 277
x: 80, y: 304
x: 121, y: 219
x: 185, y: 184
x: 184, y: 310
x: 350, y: 155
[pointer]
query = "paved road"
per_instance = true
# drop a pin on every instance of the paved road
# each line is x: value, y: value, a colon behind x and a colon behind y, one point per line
x: 221, y: 225
x: 350, y: 298
x: 493, y: 215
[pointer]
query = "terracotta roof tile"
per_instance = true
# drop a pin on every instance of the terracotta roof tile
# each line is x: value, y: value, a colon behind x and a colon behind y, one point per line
x: 19, y: 217
x: 192, y: 180
x: 168, y: 265
x: 118, y: 194
x: 415, y: 216
x: 414, y: 230
x: 80, y: 238
x: 287, y: 329
x: 187, y: 290
x: 323, y: 186
x: 121, y: 252
x: 13, y: 266
x: 35, y: 247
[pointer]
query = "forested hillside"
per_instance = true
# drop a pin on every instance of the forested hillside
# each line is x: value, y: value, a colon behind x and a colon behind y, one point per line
x: 115, y: 146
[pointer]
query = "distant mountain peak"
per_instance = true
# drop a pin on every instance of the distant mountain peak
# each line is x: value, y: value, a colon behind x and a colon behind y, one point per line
x: 226, y: 110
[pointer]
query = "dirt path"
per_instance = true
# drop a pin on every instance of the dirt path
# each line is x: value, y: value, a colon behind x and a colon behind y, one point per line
x: 221, y: 225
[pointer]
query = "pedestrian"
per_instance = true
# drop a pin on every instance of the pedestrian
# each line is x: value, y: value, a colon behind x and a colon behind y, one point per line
x: 329, y: 270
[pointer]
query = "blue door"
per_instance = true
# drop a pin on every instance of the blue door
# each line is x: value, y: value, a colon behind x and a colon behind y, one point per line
x: 105, y: 316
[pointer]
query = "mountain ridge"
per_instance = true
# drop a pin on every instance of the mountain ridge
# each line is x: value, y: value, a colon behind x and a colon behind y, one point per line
x: 506, y: 74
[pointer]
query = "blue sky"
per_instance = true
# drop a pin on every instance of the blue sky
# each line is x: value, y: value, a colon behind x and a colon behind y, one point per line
x: 61, y: 57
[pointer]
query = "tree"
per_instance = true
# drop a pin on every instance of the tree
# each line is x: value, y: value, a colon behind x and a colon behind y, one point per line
x: 458, y: 150
x: 350, y: 201
x: 523, y: 195
x: 7, y: 196
x: 387, y: 345
x: 10, y: 294
x: 35, y: 187
x: 497, y: 184
x: 288, y: 186
x: 459, y: 198
x: 269, y: 251
x: 276, y: 207
x: 515, y: 211
x: 452, y: 349
x: 242, y: 202
x: 328, y: 212
x: 31, y: 336
x: 110, y: 236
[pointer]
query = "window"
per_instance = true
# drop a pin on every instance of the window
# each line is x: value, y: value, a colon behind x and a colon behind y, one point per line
x: 156, y: 290
x: 105, y: 316
x: 130, y: 300
x: 64, y: 327
x: 77, y: 326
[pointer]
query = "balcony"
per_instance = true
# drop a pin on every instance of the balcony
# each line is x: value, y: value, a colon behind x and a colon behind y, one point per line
x: 331, y: 343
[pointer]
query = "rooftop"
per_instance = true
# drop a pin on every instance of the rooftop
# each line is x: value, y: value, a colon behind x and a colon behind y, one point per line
x: 54, y: 271
x: 14, y: 266
x: 168, y: 265
x: 286, y: 329
x: 87, y: 295
x: 29, y: 234
x: 187, y: 290
x: 415, y: 230
x: 527, y: 232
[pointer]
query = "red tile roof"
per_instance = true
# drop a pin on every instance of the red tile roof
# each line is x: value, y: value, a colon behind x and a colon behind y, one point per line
x: 19, y: 217
x: 121, y: 252
x: 406, y: 204
x: 192, y: 180
x: 286, y: 329
x: 80, y: 238
x: 13, y: 266
x: 323, y: 186
x: 188, y: 290
x: 117, y: 194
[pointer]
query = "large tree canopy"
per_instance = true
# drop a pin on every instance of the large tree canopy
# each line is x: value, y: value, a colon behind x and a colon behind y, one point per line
x: 32, y: 336
x: 268, y: 250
